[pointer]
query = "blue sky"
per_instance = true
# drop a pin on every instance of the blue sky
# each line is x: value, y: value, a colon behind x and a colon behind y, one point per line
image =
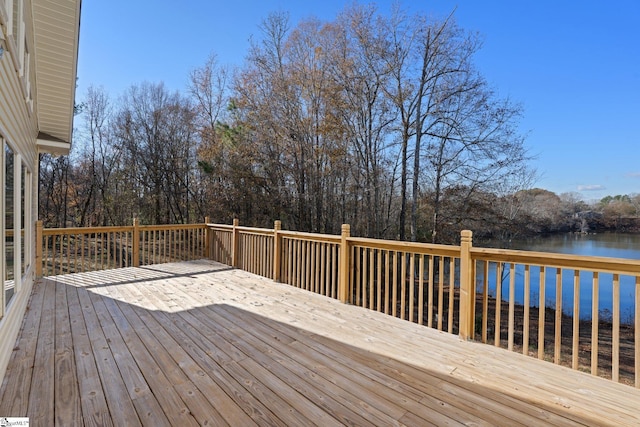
x: 574, y: 66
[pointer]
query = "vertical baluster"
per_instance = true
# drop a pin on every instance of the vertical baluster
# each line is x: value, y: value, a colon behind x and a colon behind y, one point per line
x: 558, y: 326
x: 267, y: 261
x: 248, y: 250
x: 615, y: 362
x: 512, y: 305
x: 318, y: 268
x: 254, y: 257
x: 394, y: 296
x: 527, y: 303
x: 284, y: 260
x: 379, y: 281
x: 452, y: 270
x: 576, y: 320
x: 271, y: 259
x: 421, y: 290
x: 162, y: 245
x: 259, y: 253
x: 334, y: 271
x: 372, y: 283
x: 250, y: 256
x: 365, y: 276
x: 431, y: 290
x: 308, y: 272
x: 70, y: 253
x: 75, y: 252
x: 542, y: 310
x: 263, y: 252
x: 187, y: 244
x: 166, y: 242
x: 324, y: 262
x: 242, y: 250
x: 412, y: 275
x: 294, y: 262
x: 595, y: 312
x: 300, y: 262
x: 314, y: 267
x: 245, y: 248
x: 485, y: 301
x: 82, y: 253
x: 498, y: 303
x: 290, y: 262
x: 387, y: 280
x: 304, y: 259
x: 54, y: 251
x: 358, y: 282
x: 173, y: 248
x: 440, y: 292
x: 60, y: 254
x: 109, y: 254
x: 403, y: 285
x: 352, y: 268
x: 103, y: 244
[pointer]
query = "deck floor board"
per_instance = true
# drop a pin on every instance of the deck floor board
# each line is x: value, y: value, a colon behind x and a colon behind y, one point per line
x: 198, y: 343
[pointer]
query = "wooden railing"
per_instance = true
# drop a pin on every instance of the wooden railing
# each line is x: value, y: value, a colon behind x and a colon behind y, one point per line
x: 73, y: 250
x: 512, y: 299
x: 545, y: 318
x: 520, y: 300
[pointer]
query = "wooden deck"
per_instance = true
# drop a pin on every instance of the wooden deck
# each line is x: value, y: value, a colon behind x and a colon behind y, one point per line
x: 198, y: 343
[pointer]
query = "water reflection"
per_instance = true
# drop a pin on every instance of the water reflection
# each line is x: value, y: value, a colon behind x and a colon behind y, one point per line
x: 615, y: 245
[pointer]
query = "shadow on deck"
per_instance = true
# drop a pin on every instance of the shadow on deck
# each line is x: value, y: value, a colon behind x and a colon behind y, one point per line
x: 198, y: 343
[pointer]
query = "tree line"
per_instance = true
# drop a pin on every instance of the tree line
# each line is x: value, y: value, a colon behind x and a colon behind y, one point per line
x: 379, y: 121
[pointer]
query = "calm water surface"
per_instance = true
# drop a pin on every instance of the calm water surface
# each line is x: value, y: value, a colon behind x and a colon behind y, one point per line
x: 613, y: 245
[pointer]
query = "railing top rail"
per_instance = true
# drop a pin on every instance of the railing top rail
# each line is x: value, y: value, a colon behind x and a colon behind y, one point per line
x: 548, y: 259
x: 255, y: 230
x: 224, y: 227
x: 330, y: 238
x: 117, y: 229
x: 420, y: 248
x: 85, y: 230
x: 172, y: 227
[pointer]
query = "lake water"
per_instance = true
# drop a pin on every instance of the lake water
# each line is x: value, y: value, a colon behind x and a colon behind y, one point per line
x: 614, y: 245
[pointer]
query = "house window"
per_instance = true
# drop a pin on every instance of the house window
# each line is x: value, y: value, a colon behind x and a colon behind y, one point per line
x: 27, y: 73
x: 24, y: 229
x: 15, y: 19
x: 17, y: 32
x: 9, y: 235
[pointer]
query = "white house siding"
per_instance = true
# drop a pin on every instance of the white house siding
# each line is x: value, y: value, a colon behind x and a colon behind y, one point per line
x: 21, y: 124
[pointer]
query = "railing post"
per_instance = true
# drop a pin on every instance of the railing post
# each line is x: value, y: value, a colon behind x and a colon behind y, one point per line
x: 136, y: 243
x: 343, y: 277
x: 235, y: 247
x: 39, y: 248
x: 467, y: 293
x: 207, y: 237
x: 277, y: 250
